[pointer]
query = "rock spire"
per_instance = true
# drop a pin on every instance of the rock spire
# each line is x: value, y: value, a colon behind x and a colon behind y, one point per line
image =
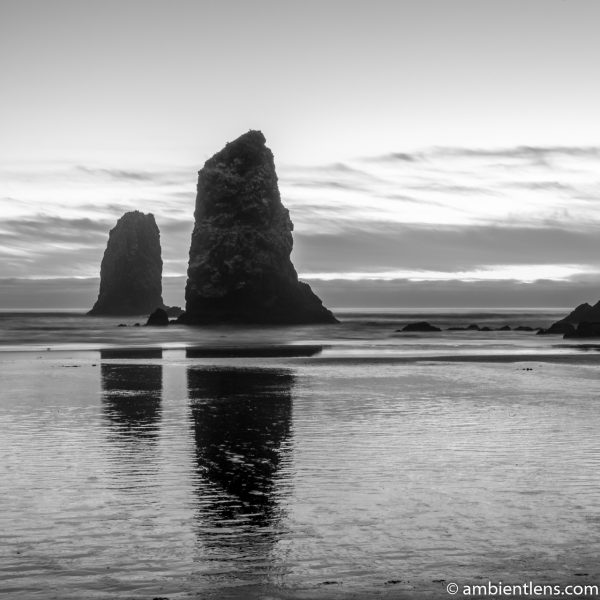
x: 131, y: 269
x: 239, y: 268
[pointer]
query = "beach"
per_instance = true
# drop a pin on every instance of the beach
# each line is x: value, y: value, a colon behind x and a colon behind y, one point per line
x: 384, y: 465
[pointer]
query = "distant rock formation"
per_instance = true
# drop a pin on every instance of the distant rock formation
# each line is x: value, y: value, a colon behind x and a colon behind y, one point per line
x: 559, y: 328
x: 419, y: 326
x: 475, y: 327
x: 158, y: 318
x: 240, y: 269
x: 584, y: 313
x: 131, y: 269
x: 174, y: 311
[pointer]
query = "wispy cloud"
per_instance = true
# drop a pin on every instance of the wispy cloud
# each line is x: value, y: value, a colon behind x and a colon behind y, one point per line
x: 119, y: 174
x: 516, y: 273
x: 447, y: 248
x: 447, y: 210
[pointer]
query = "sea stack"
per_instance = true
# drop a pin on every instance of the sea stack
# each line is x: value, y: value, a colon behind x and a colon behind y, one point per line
x: 240, y: 269
x: 131, y: 269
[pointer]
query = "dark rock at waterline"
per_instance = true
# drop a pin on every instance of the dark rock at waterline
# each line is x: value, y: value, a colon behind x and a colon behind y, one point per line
x: 419, y: 326
x: 558, y: 328
x: 475, y: 327
x: 524, y: 328
x: 131, y: 269
x: 584, y: 313
x: 174, y: 311
x: 158, y: 318
x: 239, y: 268
x: 585, y: 329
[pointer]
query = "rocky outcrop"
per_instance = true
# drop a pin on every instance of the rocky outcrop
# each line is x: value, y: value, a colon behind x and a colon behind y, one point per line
x: 158, y: 318
x: 584, y: 313
x: 174, y: 311
x: 559, y: 328
x: 240, y: 269
x: 585, y: 329
x: 131, y: 269
x: 419, y: 326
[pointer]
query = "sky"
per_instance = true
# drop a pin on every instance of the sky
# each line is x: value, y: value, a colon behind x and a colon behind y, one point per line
x: 431, y: 153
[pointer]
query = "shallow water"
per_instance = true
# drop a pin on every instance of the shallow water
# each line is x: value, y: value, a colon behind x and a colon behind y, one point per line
x: 158, y: 475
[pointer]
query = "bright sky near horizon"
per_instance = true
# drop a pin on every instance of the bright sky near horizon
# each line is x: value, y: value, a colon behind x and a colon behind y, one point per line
x: 414, y: 141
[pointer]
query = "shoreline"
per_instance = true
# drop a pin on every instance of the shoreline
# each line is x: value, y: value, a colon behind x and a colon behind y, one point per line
x: 313, y: 354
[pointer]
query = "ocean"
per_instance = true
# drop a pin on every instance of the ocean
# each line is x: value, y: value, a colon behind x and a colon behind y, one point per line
x: 181, y: 462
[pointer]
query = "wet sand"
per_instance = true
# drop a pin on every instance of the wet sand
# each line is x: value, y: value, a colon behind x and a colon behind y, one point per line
x: 143, y: 473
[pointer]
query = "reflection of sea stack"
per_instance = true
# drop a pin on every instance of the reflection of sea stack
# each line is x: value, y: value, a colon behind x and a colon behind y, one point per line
x: 242, y: 423
x: 131, y: 269
x: 240, y: 268
x: 132, y: 395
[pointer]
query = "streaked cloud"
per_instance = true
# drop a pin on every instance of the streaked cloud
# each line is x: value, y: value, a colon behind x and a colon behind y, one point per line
x: 523, y: 273
x: 384, y: 246
x: 439, y: 213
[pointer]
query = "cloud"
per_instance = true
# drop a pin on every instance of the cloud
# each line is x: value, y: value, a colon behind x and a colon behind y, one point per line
x: 42, y: 228
x: 18, y: 293
x: 527, y: 152
x: 452, y: 189
x: 438, y: 210
x: 326, y: 184
x: 542, y: 185
x: 513, y: 152
x: 527, y: 273
x: 383, y: 246
x: 393, y: 157
x: 69, y: 292
x: 43, y: 245
x: 163, y: 177
x: 118, y: 173
x: 458, y: 294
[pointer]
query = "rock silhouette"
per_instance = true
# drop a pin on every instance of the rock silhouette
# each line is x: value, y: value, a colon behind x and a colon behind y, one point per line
x: 239, y: 268
x: 560, y: 327
x: 420, y: 326
x: 131, y: 269
x: 158, y: 318
x: 584, y: 313
x: 585, y: 329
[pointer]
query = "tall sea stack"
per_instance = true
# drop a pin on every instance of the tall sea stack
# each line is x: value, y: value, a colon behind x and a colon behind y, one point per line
x: 240, y: 269
x: 131, y: 269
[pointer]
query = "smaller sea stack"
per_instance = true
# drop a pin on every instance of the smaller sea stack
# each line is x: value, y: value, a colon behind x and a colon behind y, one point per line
x: 131, y: 269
